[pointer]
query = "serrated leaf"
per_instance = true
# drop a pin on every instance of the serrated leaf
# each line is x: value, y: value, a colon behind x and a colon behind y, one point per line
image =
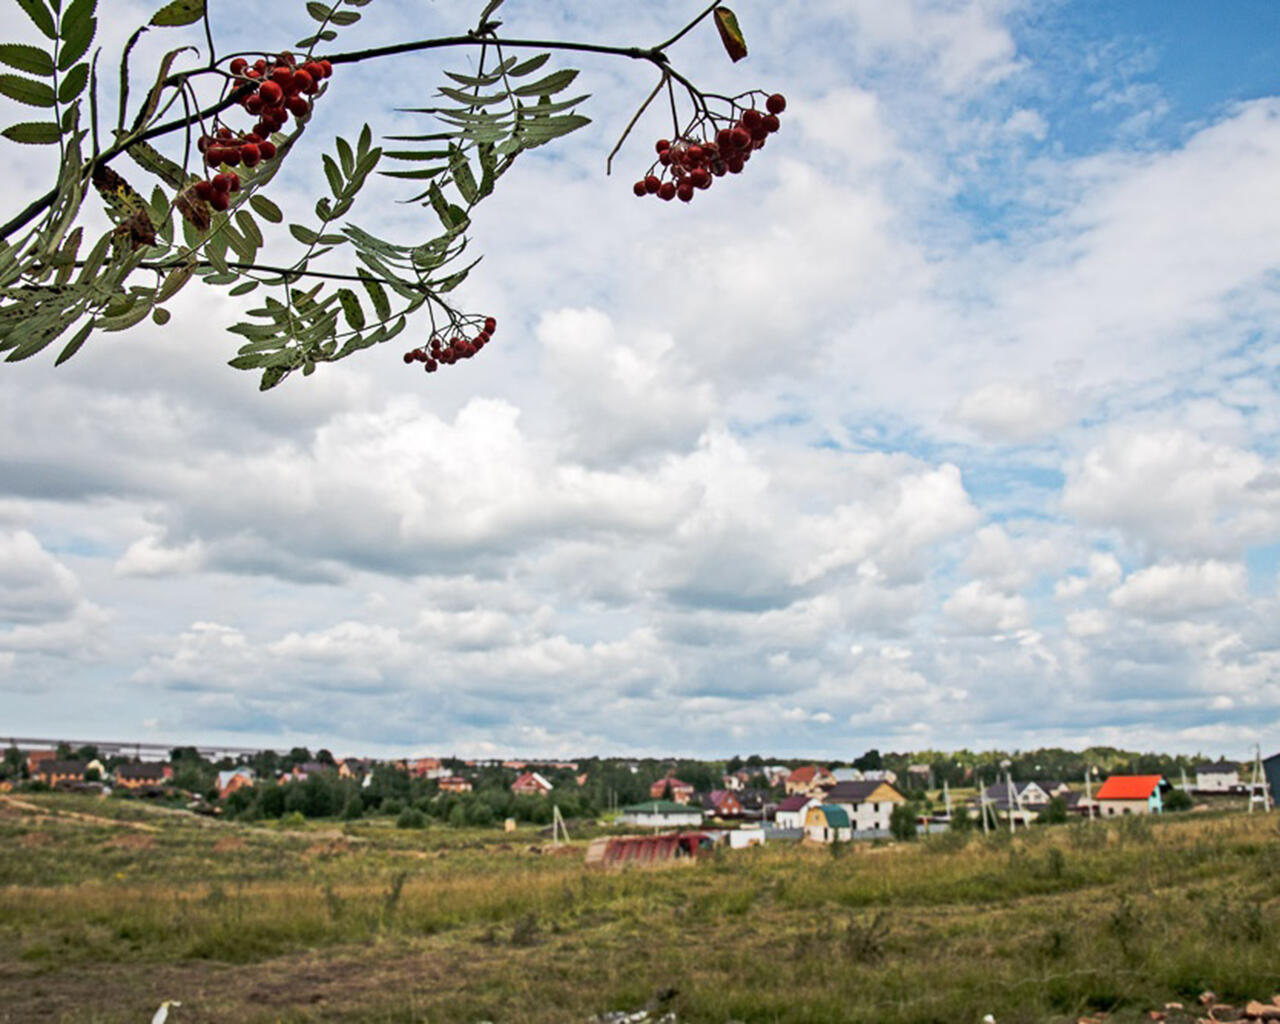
x: 377, y: 294
x: 73, y: 84
x: 39, y: 13
x: 31, y: 59
x: 303, y: 234
x: 33, y: 133
x: 418, y: 175
x: 73, y: 346
x: 553, y: 83
x: 151, y: 159
x: 178, y: 13
x: 266, y: 209
x: 153, y: 97
x: 351, y: 308
x: 470, y: 99
x: 77, y: 30
x: 735, y: 44
x: 27, y: 90
x: 462, y: 177
x: 174, y: 282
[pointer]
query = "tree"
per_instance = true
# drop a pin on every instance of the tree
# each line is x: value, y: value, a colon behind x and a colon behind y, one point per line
x: 902, y: 822
x: 1054, y: 812
x: 1178, y: 800
x: 200, y: 209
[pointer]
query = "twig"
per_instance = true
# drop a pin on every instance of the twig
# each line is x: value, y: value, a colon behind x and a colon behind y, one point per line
x: 608, y: 164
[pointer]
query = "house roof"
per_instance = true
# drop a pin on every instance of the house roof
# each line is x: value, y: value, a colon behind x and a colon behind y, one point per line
x: 151, y: 770
x: 1129, y: 787
x: 806, y: 773
x: 795, y: 802
x: 856, y: 792
x: 225, y: 776
x: 660, y: 784
x: 61, y: 767
x: 837, y: 817
x: 661, y: 807
x: 1217, y: 768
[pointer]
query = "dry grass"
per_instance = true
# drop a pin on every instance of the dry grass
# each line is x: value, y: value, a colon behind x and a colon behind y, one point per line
x: 255, y: 924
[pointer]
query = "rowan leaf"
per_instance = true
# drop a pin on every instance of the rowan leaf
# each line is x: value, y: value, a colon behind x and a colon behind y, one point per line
x: 31, y: 59
x: 73, y: 84
x: 735, y: 44
x: 39, y: 13
x: 33, y: 133
x: 77, y: 29
x: 178, y: 13
x: 27, y: 90
x: 266, y: 209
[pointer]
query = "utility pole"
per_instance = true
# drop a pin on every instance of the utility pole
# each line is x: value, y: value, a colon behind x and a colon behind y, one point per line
x: 1088, y: 793
x: 982, y: 803
x: 1258, y: 790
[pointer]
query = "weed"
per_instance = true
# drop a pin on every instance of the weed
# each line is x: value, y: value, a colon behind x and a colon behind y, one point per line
x: 525, y: 931
x: 864, y: 940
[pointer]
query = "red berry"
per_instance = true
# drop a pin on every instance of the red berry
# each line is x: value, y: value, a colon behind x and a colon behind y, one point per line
x: 282, y: 76
x: 776, y: 103
x: 734, y: 164
x: 253, y: 104
x: 239, y: 66
x: 268, y: 149
x: 431, y: 366
x: 750, y: 118
x: 410, y: 356
x: 231, y: 155
x: 771, y: 123
x: 202, y: 143
x: 684, y: 192
x: 220, y: 201
x: 701, y: 178
x: 298, y: 106
x: 314, y: 69
x: 664, y: 158
x: 639, y: 189
x: 662, y: 145
x: 221, y: 183
x: 204, y: 189
x: 270, y: 92
x: 741, y: 138
x: 259, y: 65
x: 724, y: 138
x: 693, y: 155
x: 213, y: 155
x: 286, y: 57
x: 652, y: 183
x: 250, y: 154
x: 490, y: 324
x: 224, y: 133
x: 759, y: 132
x: 667, y: 191
x: 234, y: 180
x: 327, y: 68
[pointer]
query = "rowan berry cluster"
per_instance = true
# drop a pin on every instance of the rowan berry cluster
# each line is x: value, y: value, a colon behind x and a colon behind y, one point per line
x: 280, y: 88
x: 691, y: 164
x: 438, y: 352
x: 217, y: 190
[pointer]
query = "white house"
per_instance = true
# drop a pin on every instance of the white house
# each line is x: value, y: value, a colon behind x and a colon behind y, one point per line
x: 792, y: 810
x: 1217, y: 777
x: 868, y: 803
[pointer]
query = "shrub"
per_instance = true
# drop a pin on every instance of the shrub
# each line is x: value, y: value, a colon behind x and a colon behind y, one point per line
x: 354, y: 809
x: 411, y: 817
x: 1178, y: 800
x: 902, y: 822
x: 392, y: 806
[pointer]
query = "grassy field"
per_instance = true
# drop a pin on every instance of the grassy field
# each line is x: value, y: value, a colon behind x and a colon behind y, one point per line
x: 108, y: 908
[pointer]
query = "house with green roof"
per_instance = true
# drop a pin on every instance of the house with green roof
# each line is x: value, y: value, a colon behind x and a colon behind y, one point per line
x: 662, y: 814
x: 827, y: 823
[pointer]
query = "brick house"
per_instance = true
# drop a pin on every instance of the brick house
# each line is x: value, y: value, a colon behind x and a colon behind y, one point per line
x: 681, y: 792
x: 142, y: 774
x: 53, y: 772
x: 454, y: 784
x: 809, y: 779
x: 232, y: 779
x: 721, y: 803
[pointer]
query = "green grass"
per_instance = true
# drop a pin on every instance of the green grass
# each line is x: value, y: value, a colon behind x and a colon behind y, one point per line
x: 374, y: 923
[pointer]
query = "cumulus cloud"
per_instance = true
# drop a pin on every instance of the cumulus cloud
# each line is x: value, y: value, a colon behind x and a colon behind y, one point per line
x: 978, y: 608
x: 1170, y: 590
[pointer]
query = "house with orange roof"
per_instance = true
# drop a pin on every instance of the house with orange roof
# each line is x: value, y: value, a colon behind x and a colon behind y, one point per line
x: 531, y: 784
x: 1129, y: 794
x: 681, y: 792
x: 809, y: 779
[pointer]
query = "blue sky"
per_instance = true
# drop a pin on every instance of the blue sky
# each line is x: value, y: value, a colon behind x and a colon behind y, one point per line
x: 953, y: 423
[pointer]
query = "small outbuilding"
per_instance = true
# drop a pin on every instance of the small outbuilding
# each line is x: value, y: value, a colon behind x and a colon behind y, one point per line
x: 661, y: 814
x: 1129, y: 794
x: 827, y: 824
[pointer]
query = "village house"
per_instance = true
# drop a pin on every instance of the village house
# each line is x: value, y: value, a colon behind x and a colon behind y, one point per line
x: 141, y: 775
x: 661, y: 814
x: 868, y: 804
x: 299, y: 772
x: 919, y: 776
x: 354, y: 768
x: 531, y: 784
x: 427, y: 768
x: 1217, y: 777
x: 35, y: 757
x: 827, y: 824
x: 792, y: 810
x: 52, y: 772
x: 846, y: 774
x: 809, y: 779
x: 721, y: 803
x: 231, y: 779
x: 671, y: 788
x: 454, y: 784
x: 1129, y: 794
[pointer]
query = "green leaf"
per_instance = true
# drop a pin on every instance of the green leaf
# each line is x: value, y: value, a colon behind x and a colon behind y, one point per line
x: 243, y: 288
x: 160, y: 316
x: 30, y: 59
x: 173, y: 283
x: 266, y: 209
x: 33, y: 133
x: 336, y: 184
x: 345, y: 17
x: 303, y: 234
x: 377, y: 294
x: 77, y: 29
x: 345, y: 156
x: 250, y: 229
x: 178, y: 13
x: 39, y: 14
x: 735, y: 44
x: 553, y: 83
x: 462, y: 177
x: 39, y: 333
x: 73, y: 84
x: 418, y: 175
x: 151, y: 159
x: 529, y: 66
x: 73, y: 346
x: 351, y: 308
x: 26, y: 90
x: 320, y: 12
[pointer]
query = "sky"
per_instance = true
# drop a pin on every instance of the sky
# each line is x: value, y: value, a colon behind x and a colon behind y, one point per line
x: 953, y: 422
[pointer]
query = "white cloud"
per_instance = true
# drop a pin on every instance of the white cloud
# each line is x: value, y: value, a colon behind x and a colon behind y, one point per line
x: 1170, y: 590
x: 1014, y: 413
x: 977, y: 608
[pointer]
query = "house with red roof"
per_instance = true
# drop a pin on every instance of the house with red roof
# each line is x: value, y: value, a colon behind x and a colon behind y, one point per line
x: 791, y: 811
x: 681, y: 792
x: 1129, y: 794
x: 531, y: 784
x: 721, y: 803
